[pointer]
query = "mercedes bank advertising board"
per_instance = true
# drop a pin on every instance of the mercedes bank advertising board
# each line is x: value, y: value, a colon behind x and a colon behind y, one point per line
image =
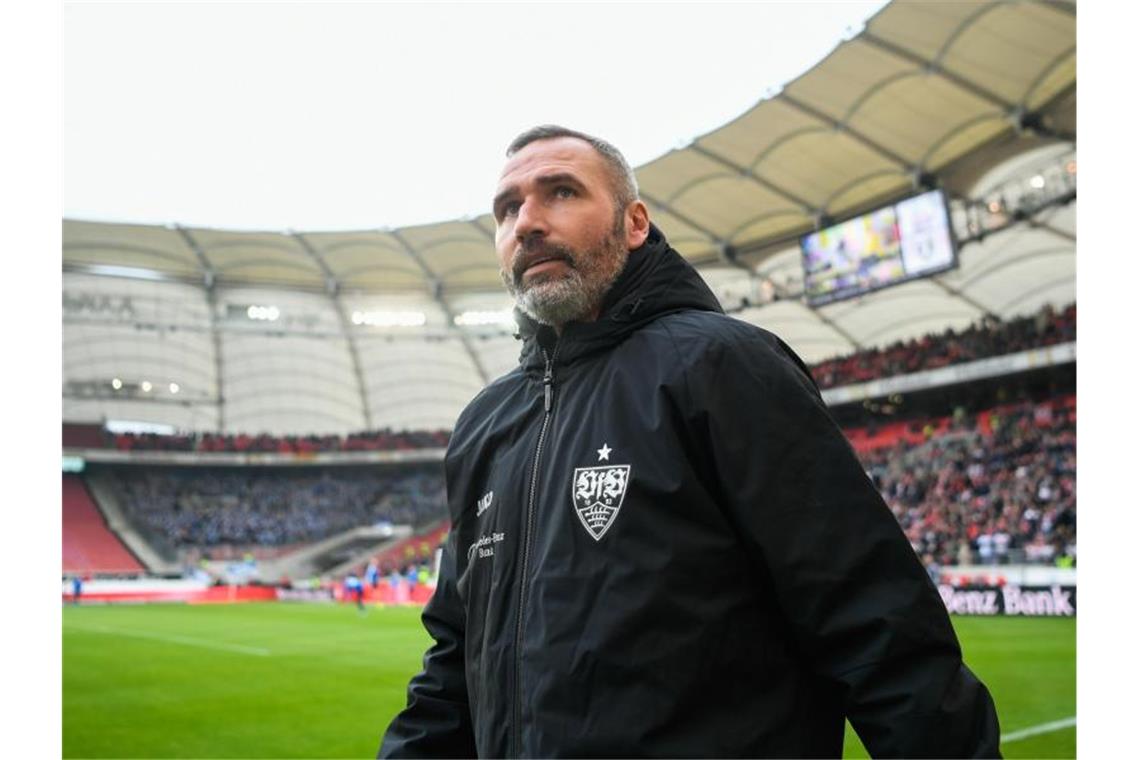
x: 1010, y: 600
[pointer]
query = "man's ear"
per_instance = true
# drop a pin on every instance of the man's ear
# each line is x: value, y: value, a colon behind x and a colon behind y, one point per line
x: 636, y: 224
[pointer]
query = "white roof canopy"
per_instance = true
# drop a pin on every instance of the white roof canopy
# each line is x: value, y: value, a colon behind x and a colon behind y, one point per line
x: 967, y: 96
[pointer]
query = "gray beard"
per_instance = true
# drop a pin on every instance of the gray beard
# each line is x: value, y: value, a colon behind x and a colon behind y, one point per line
x: 573, y: 297
x: 559, y: 301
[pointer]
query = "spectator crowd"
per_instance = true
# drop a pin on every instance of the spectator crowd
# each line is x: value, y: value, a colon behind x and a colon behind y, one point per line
x: 991, y: 488
x: 206, y: 506
x: 995, y: 488
x: 376, y: 440
x: 988, y: 337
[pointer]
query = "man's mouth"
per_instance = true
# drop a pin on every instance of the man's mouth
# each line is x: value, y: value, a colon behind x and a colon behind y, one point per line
x: 540, y: 261
x: 536, y: 263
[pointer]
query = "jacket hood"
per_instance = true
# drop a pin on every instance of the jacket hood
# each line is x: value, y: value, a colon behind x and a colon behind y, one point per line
x: 656, y: 281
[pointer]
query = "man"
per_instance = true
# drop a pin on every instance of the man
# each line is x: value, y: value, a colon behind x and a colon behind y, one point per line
x: 354, y: 589
x: 661, y: 543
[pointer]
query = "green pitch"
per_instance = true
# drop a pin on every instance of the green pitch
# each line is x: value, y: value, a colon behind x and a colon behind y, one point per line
x: 315, y: 681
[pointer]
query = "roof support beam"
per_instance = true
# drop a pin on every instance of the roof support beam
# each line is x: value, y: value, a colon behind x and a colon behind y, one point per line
x: 437, y: 294
x: 855, y: 344
x: 131, y: 273
x: 724, y: 249
x: 937, y: 69
x: 746, y: 172
x: 482, y: 230
x: 839, y: 126
x: 210, y: 280
x: 333, y: 288
x: 1044, y: 287
x: 958, y: 294
x: 929, y: 316
x: 664, y: 206
x: 1046, y: 227
x: 781, y: 292
x: 1022, y: 119
x: 1044, y: 75
x: 1062, y: 6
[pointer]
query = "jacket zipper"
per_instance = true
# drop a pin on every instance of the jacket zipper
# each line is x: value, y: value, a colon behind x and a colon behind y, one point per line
x: 548, y: 406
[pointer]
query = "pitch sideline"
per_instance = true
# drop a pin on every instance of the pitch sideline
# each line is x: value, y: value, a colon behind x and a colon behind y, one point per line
x: 1043, y: 728
x: 204, y: 643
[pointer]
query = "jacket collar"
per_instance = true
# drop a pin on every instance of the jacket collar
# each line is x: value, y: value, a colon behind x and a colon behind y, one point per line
x: 656, y: 281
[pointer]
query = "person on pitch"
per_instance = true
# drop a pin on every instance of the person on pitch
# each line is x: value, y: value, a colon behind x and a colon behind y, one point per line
x: 661, y: 542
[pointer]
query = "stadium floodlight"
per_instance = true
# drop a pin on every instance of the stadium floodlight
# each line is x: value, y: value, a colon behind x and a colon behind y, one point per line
x: 263, y: 313
x: 116, y: 383
x: 174, y: 388
x: 478, y: 317
x: 389, y: 318
x: 146, y: 386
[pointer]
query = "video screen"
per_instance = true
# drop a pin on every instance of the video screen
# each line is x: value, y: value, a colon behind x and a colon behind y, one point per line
x: 891, y: 245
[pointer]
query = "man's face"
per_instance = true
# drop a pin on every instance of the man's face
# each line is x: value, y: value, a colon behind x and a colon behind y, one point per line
x: 561, y: 242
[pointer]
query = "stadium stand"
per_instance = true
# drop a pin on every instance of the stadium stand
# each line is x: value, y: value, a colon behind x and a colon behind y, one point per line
x: 963, y: 487
x: 84, y: 436
x: 204, y: 507
x: 89, y: 546
x: 988, y: 337
x: 994, y: 486
x: 997, y: 487
x: 376, y: 440
x: 411, y: 550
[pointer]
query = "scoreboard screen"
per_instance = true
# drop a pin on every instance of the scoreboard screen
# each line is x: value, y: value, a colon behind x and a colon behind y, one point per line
x: 891, y: 245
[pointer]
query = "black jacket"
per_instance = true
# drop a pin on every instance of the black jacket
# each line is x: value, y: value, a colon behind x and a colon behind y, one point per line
x: 663, y: 545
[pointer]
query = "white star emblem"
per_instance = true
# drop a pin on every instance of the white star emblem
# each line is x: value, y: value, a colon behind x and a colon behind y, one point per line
x: 604, y: 452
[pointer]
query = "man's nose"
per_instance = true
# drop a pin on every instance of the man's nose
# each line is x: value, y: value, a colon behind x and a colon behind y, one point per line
x: 531, y: 221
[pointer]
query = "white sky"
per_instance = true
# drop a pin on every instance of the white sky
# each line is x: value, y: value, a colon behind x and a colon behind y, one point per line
x: 355, y: 116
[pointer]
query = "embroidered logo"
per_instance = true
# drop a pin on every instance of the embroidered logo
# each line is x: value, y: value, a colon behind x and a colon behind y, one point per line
x: 598, y: 493
x: 484, y: 503
x: 483, y: 547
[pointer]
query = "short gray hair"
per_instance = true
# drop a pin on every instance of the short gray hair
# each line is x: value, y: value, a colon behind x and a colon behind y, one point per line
x: 621, y: 175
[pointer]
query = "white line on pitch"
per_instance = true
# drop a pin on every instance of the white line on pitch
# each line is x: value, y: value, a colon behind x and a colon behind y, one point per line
x: 1044, y: 728
x: 190, y: 642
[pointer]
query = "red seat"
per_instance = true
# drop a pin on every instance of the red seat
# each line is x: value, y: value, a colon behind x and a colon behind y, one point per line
x: 89, y: 546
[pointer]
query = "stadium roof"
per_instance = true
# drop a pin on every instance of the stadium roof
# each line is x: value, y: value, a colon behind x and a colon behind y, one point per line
x: 966, y: 96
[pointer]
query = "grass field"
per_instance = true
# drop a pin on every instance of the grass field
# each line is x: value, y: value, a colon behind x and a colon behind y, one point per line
x: 312, y: 680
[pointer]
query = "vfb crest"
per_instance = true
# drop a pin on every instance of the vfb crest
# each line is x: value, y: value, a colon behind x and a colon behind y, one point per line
x: 598, y: 493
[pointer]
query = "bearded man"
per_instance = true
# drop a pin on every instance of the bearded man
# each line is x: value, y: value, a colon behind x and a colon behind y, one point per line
x: 661, y: 543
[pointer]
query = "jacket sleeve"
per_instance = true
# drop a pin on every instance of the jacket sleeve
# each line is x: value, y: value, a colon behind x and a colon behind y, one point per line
x: 861, y: 609
x: 437, y: 719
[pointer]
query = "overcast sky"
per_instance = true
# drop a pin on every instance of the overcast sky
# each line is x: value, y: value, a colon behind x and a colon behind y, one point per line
x: 357, y: 116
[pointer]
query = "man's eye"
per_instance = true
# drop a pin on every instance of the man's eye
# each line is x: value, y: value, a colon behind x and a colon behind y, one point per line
x: 562, y: 191
x: 510, y: 209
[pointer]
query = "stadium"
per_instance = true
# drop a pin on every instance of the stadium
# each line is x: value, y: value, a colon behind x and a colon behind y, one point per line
x: 255, y: 423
